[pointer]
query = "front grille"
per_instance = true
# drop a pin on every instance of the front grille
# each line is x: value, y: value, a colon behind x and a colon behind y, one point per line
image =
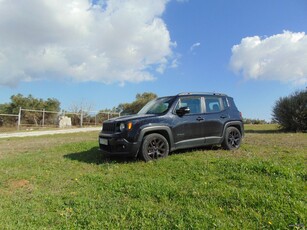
x: 109, y: 127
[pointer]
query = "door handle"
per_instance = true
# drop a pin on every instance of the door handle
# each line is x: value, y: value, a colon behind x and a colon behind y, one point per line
x: 200, y: 119
x: 223, y: 116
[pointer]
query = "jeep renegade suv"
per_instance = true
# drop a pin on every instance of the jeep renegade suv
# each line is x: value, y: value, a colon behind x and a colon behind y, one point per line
x: 166, y: 124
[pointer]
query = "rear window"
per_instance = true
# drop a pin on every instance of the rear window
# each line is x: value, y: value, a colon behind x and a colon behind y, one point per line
x: 231, y: 102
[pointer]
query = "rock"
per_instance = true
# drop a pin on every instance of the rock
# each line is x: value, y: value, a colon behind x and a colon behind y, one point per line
x: 64, y: 122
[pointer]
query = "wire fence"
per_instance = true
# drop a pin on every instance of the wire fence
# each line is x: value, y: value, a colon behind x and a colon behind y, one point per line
x: 33, y: 118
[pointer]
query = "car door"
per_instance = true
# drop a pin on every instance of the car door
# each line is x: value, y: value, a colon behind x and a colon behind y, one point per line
x: 215, y: 116
x: 187, y: 128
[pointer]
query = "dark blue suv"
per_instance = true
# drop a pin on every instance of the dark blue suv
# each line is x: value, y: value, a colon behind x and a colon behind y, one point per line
x: 166, y: 124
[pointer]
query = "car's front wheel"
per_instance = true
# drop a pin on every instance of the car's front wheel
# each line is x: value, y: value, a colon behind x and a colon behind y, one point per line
x: 154, y: 146
x: 232, y: 139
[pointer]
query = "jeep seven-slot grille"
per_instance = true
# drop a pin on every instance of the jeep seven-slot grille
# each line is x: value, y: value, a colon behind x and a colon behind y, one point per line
x: 109, y: 127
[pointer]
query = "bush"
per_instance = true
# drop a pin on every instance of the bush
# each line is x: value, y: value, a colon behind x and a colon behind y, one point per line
x: 291, y: 112
x: 254, y: 121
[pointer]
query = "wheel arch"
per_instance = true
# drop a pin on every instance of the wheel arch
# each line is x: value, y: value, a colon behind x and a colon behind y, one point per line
x: 163, y: 130
x: 236, y: 124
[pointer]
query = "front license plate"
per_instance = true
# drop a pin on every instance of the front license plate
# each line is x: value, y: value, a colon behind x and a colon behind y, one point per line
x: 103, y: 141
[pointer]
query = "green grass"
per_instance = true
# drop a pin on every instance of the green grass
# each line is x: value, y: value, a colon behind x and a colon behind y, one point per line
x: 70, y: 185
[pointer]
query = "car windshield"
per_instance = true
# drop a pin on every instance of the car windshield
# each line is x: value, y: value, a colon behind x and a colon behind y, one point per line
x: 157, y: 106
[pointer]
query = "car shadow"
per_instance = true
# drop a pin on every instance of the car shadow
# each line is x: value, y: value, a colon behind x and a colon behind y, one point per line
x: 95, y: 156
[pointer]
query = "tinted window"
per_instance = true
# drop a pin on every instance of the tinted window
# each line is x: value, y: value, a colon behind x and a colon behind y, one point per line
x: 194, y: 104
x: 213, y: 104
x: 225, y: 102
x: 157, y: 106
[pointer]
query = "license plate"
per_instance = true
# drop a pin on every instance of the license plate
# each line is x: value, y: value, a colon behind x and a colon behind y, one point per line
x: 103, y: 141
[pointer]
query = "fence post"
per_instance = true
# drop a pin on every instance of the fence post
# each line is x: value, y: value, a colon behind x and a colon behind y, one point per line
x: 19, y: 119
x: 43, y: 118
x: 81, y: 119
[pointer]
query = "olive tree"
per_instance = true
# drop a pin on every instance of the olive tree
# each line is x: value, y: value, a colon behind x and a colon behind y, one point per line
x: 31, y: 103
x: 135, y: 106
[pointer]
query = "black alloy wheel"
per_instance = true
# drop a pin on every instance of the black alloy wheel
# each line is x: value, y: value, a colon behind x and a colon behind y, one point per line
x: 232, y: 139
x: 154, y: 146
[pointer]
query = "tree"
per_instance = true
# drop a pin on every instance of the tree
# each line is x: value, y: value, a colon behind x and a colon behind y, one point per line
x: 77, y: 109
x: 31, y: 103
x: 291, y: 112
x: 135, y: 106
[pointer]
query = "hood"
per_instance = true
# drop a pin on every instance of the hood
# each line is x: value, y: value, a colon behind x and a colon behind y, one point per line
x: 131, y: 117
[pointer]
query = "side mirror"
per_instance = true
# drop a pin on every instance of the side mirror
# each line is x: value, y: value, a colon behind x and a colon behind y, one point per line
x: 182, y: 111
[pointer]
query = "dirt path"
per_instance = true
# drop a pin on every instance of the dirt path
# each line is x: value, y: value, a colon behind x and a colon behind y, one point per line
x: 48, y: 132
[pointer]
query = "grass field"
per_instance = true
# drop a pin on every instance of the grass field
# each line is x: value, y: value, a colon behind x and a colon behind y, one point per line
x: 64, y: 182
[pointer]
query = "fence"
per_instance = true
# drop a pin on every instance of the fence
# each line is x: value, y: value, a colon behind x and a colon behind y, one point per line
x: 43, y: 118
x: 8, y: 120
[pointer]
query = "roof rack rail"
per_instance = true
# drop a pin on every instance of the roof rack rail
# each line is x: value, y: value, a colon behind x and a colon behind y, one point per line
x: 201, y: 93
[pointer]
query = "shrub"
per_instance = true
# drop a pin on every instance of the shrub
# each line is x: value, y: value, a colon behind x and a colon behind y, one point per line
x: 291, y: 112
x: 254, y: 121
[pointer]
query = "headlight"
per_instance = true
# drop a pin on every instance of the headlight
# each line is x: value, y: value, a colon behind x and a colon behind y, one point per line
x: 122, y: 127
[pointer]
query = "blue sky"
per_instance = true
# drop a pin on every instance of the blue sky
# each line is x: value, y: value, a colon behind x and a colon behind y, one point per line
x: 104, y: 53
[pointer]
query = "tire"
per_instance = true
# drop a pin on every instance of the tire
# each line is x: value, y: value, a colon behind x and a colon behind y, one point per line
x: 232, y: 139
x: 154, y: 146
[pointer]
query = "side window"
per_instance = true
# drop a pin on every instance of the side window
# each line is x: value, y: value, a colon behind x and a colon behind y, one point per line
x: 194, y: 103
x: 225, y: 102
x: 214, y: 104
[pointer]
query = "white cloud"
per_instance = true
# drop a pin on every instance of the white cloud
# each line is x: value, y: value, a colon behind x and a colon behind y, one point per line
x: 281, y: 57
x: 197, y: 44
x: 110, y: 41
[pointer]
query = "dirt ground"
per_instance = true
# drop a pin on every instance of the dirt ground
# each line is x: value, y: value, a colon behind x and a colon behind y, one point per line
x: 47, y: 132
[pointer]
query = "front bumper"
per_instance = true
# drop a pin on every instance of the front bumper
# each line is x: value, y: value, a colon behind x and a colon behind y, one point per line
x: 117, y: 146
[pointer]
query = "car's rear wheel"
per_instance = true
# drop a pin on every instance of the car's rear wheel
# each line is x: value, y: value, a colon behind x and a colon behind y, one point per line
x: 154, y: 146
x: 232, y: 139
